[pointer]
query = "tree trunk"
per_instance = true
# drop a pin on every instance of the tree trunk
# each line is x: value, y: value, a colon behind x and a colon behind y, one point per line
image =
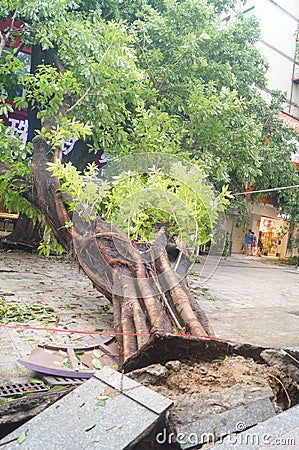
x: 25, y: 233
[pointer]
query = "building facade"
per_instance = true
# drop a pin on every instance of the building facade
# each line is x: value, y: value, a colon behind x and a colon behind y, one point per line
x: 278, y: 20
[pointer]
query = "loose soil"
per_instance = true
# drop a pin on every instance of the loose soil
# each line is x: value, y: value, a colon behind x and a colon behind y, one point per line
x: 186, y: 378
x: 176, y: 378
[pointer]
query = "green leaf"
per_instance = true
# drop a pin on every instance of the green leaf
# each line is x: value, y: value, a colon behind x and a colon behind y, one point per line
x: 22, y: 437
x: 97, y: 364
x: 102, y: 399
x: 8, y: 399
x: 97, y: 353
x: 79, y: 352
x: 35, y: 380
x: 220, y: 360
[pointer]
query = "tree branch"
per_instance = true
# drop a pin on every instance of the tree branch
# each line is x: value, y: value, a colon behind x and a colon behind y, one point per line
x: 79, y: 100
x: 4, y: 39
x: 27, y: 190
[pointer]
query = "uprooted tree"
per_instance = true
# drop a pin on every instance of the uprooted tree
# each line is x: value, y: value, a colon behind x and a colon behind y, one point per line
x: 147, y: 85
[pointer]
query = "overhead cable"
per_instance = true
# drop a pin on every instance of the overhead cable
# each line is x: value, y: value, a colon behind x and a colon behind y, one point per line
x: 267, y: 190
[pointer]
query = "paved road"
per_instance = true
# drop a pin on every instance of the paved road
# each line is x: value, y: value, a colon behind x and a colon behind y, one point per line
x: 251, y: 301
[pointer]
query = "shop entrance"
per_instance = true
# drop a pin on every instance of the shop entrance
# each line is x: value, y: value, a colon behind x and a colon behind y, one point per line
x: 271, y: 234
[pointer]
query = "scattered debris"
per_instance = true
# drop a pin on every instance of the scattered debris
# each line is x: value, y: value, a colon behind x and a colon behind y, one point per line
x: 13, y: 311
x: 70, y: 361
x: 127, y: 412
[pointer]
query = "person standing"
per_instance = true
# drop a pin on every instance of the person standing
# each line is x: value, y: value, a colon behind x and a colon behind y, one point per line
x: 259, y: 245
x: 296, y: 247
x: 248, y: 243
x: 254, y: 245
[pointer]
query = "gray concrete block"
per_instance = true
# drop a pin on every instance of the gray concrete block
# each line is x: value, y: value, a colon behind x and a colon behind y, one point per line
x: 130, y: 388
x: 206, y: 404
x: 78, y: 421
x: 271, y: 433
x: 208, y: 429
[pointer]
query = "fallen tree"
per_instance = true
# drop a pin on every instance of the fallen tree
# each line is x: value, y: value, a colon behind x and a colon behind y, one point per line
x: 148, y: 295
x: 84, y: 83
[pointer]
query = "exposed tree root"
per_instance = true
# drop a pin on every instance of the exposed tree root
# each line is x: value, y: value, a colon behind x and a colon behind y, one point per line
x: 147, y: 296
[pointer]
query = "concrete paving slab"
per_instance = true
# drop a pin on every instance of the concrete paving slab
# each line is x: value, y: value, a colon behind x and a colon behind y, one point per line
x: 77, y: 421
x: 55, y: 282
x: 220, y: 425
x: 134, y: 390
x: 269, y: 434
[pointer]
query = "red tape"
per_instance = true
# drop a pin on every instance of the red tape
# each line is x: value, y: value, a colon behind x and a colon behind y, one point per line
x: 58, y: 330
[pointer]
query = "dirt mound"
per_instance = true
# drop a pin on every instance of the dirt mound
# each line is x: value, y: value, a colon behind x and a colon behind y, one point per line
x: 177, y: 377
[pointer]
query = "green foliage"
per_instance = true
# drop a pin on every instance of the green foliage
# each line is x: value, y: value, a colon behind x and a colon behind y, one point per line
x: 138, y: 204
x: 49, y: 244
x: 147, y: 75
x: 280, y: 142
x: 221, y: 134
x: 188, y: 207
x: 12, y: 311
x: 206, y: 75
x: 64, y: 129
x: 108, y: 86
x: 45, y: 89
x: 5, y: 108
x: 150, y: 130
x: 17, y: 159
x: 80, y: 191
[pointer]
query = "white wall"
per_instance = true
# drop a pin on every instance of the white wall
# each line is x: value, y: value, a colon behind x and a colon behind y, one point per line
x: 278, y: 42
x: 278, y: 30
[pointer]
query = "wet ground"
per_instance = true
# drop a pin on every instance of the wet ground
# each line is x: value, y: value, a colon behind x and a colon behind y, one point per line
x: 246, y: 300
x: 254, y: 300
x: 45, y: 293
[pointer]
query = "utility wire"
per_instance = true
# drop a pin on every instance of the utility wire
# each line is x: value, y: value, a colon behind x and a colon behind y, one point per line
x: 267, y: 190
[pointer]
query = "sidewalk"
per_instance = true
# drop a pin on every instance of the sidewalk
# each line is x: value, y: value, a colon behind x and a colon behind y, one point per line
x: 254, y: 300
x: 28, y: 280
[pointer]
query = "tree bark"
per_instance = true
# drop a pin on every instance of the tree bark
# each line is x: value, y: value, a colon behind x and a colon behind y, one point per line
x: 142, y: 304
x: 25, y: 233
